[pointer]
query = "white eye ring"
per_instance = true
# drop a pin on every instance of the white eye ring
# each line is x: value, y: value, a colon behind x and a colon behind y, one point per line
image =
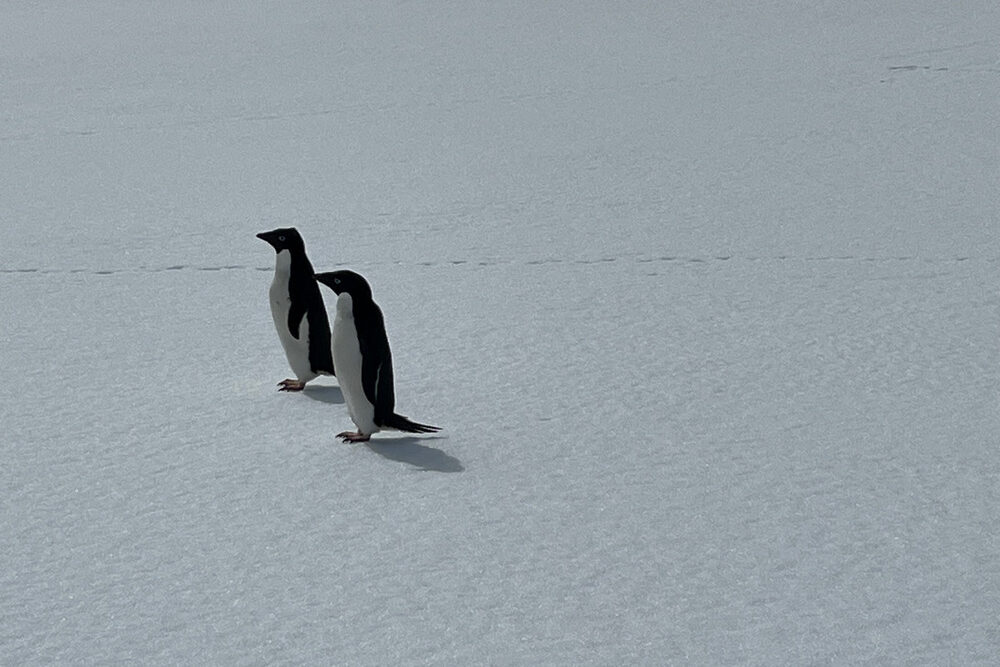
x: 281, y: 238
x: 336, y: 281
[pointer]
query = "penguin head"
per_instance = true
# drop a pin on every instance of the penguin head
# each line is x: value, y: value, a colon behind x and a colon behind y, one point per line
x: 346, y: 282
x: 286, y: 238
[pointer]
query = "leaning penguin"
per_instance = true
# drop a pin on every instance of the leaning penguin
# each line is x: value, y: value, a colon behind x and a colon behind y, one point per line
x: 298, y: 310
x: 364, y: 364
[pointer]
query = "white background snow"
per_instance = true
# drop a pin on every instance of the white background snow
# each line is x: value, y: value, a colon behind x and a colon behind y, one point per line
x: 704, y: 295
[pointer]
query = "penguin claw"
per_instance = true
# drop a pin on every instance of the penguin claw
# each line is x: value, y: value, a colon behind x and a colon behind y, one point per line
x: 353, y: 436
x: 291, y: 385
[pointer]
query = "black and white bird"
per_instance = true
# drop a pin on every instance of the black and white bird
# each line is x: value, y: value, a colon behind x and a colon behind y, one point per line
x: 364, y: 363
x: 298, y: 311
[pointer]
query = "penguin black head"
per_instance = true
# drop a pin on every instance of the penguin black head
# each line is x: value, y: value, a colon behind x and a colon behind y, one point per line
x: 347, y: 282
x: 286, y: 238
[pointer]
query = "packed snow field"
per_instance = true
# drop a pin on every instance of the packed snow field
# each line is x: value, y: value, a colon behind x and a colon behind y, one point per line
x: 705, y: 300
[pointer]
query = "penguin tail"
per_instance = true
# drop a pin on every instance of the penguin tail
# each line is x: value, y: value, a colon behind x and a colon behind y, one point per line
x: 401, y: 423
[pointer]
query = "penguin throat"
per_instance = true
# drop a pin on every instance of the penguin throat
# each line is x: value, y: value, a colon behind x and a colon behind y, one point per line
x: 283, y: 262
x: 345, y: 306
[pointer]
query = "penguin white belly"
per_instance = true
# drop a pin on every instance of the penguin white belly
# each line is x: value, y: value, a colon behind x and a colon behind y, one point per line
x: 347, y: 361
x: 296, y: 349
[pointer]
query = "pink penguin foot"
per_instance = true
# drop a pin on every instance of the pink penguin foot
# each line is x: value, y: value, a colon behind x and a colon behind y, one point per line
x: 353, y: 436
x: 291, y: 385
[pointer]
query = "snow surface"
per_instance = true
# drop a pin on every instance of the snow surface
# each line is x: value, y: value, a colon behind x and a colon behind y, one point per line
x: 704, y: 296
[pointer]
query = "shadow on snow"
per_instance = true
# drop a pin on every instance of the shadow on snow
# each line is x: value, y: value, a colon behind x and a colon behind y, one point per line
x: 324, y: 393
x: 407, y: 449
x: 404, y: 449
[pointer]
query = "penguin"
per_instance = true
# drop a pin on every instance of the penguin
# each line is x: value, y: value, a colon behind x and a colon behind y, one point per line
x: 364, y: 363
x: 298, y: 311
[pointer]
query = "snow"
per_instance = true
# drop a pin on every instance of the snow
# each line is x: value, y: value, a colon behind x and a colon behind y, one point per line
x: 704, y: 297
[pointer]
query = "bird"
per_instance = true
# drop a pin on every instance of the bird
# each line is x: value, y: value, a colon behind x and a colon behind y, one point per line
x: 298, y: 311
x: 364, y: 362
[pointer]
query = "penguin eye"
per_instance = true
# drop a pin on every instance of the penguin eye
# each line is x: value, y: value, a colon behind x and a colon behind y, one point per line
x: 281, y: 238
x: 336, y: 281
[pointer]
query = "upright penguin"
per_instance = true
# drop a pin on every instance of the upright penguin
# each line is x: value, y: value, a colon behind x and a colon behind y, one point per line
x: 364, y: 363
x: 298, y: 311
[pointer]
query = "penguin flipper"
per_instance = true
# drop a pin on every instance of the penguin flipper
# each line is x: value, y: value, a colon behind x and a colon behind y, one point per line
x: 295, y: 314
x: 376, y: 365
x: 376, y: 380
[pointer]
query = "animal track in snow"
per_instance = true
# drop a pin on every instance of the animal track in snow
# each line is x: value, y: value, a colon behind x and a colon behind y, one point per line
x: 538, y: 261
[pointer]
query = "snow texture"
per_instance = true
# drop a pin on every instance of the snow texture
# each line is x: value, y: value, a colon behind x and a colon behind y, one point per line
x: 705, y: 296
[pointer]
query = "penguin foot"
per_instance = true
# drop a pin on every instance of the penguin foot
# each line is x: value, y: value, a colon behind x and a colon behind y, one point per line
x: 291, y: 385
x: 353, y: 436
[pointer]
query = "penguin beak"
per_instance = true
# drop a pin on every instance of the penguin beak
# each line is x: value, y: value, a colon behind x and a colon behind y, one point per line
x: 267, y: 236
x: 323, y: 278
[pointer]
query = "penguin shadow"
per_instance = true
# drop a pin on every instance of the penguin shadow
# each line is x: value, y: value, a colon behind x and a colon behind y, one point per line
x: 412, y: 451
x: 325, y: 393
